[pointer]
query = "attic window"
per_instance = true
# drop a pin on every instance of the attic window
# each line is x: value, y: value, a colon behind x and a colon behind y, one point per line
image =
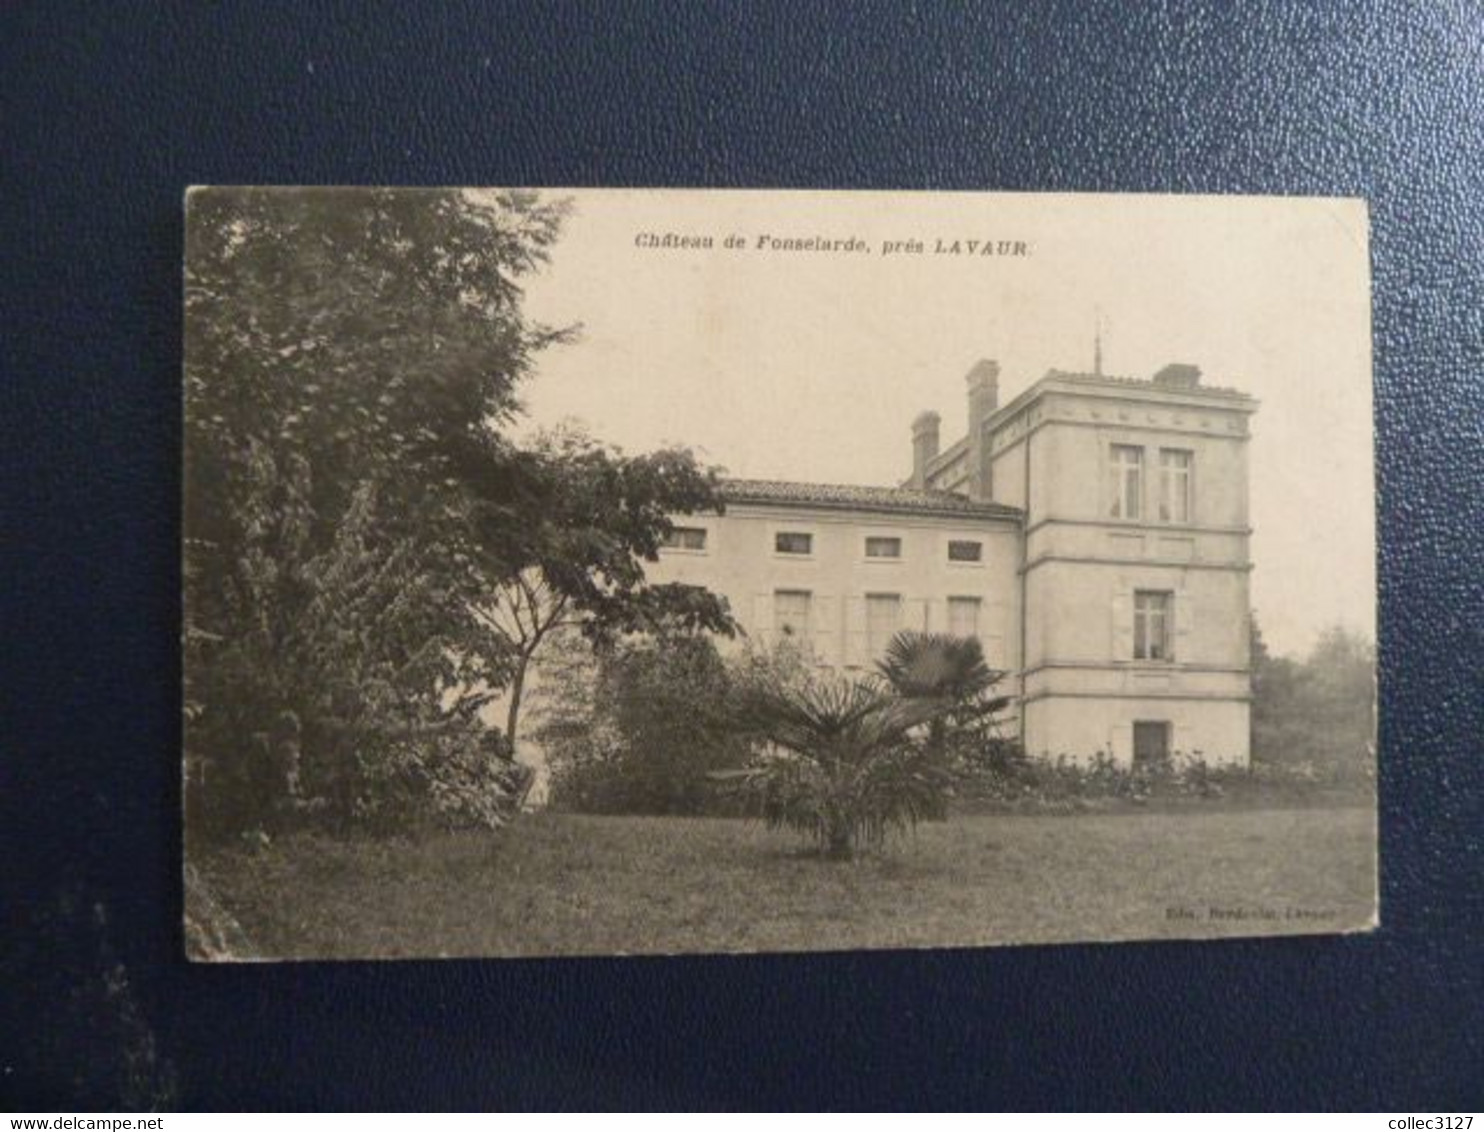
x: 883, y: 548
x: 793, y: 542
x: 686, y: 538
x: 965, y: 550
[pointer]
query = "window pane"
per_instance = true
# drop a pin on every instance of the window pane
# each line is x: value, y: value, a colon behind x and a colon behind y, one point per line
x: 1174, y: 485
x: 1128, y: 481
x: 883, y: 548
x: 793, y: 542
x: 965, y: 551
x: 1152, y: 624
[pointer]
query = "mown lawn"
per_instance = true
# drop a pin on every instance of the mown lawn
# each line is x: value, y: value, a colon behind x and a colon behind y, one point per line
x: 564, y: 884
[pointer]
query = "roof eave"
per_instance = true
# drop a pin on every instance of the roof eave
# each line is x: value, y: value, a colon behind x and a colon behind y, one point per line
x: 1000, y: 513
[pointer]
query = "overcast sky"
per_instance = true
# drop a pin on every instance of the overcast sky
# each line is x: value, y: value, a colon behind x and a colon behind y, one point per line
x: 810, y: 366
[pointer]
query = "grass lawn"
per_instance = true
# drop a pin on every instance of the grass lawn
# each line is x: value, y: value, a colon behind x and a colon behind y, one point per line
x: 565, y: 884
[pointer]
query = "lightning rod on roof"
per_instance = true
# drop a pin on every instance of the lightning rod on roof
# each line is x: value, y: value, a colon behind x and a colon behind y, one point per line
x: 1097, y: 342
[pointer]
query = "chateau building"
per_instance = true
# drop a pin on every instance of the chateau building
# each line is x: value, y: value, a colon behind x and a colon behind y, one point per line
x: 1093, y: 533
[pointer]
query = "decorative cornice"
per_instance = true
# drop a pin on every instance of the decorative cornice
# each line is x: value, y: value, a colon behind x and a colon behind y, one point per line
x: 1170, y: 563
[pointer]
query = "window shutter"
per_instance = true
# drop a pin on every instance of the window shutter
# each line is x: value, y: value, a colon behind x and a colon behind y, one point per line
x: 937, y: 615
x: 1190, y: 490
x: 1123, y: 624
x: 762, y: 617
x: 824, y: 627
x: 1184, y: 623
x: 1105, y: 480
x: 915, y: 614
x: 992, y: 618
x: 855, y: 631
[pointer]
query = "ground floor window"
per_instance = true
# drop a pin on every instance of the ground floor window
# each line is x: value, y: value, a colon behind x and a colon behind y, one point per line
x: 1151, y: 742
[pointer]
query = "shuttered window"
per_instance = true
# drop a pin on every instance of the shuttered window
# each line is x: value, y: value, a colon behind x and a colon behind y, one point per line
x: 791, y: 613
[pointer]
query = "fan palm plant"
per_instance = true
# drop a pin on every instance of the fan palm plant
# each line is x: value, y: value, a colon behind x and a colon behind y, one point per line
x: 951, y: 672
x: 937, y: 666
x: 845, y: 762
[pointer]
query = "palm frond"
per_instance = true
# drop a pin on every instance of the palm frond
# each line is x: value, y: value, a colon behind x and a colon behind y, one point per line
x: 936, y: 665
x: 845, y: 762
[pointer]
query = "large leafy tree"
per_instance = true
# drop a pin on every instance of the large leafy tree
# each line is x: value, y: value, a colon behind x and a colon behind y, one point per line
x: 354, y: 504
x: 350, y: 357
x: 640, y: 727
x: 377, y: 334
x: 593, y: 517
x: 1316, y: 714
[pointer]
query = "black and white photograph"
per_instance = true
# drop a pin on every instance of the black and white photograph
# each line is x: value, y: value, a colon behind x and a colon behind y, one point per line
x: 646, y: 572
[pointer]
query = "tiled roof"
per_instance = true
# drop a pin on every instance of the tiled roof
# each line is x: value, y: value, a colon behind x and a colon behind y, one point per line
x: 895, y: 500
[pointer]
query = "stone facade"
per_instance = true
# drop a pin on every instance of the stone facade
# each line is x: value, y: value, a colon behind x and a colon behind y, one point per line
x: 1093, y: 533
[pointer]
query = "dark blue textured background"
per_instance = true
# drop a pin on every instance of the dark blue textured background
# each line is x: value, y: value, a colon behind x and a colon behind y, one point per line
x: 110, y: 110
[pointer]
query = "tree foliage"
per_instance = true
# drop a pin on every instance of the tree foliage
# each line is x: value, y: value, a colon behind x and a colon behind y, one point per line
x: 377, y: 334
x: 638, y: 728
x: 594, y: 516
x: 355, y: 506
x: 1316, y: 715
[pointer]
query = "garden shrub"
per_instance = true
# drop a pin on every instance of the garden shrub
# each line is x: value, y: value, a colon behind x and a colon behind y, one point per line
x: 1070, y: 785
x: 639, y: 728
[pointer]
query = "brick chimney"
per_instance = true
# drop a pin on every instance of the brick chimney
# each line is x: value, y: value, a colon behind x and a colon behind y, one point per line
x: 984, y: 398
x: 1178, y: 375
x: 924, y: 445
x: 984, y: 392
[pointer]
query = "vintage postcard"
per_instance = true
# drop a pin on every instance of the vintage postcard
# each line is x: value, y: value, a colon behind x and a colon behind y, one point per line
x: 655, y: 571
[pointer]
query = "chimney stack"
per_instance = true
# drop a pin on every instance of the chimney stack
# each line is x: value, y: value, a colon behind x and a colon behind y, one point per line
x: 924, y: 446
x: 1178, y: 375
x: 984, y: 392
x: 984, y: 398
